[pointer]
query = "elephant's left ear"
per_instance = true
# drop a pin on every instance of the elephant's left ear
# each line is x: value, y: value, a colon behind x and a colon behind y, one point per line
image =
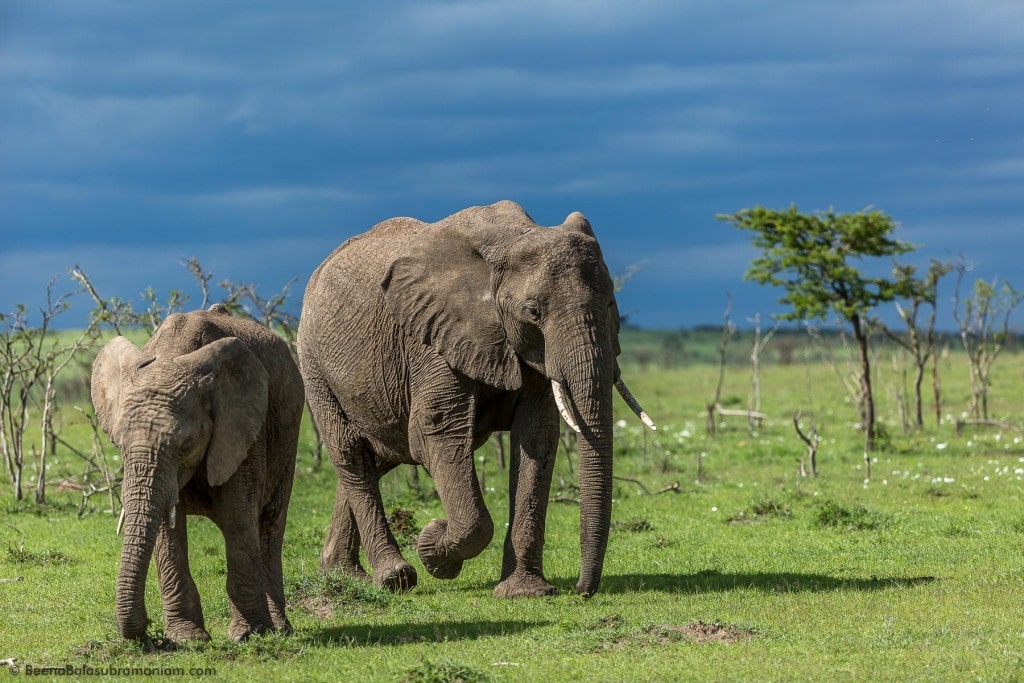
x: 238, y: 395
x: 441, y: 291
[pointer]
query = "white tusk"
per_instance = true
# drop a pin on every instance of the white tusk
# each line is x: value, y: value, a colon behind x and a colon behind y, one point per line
x: 563, y: 409
x: 627, y: 396
x: 172, y: 514
x: 120, y: 522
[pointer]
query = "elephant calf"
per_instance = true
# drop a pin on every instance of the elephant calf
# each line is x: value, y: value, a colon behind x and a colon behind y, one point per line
x: 207, y: 417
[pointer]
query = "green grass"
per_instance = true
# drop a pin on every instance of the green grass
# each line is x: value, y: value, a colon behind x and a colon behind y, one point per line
x: 750, y: 573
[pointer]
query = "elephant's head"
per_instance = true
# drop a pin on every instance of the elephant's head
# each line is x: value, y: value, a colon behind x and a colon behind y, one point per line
x: 173, y: 418
x: 493, y: 292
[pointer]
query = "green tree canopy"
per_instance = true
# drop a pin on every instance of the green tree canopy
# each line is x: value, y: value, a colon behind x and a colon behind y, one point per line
x: 810, y: 257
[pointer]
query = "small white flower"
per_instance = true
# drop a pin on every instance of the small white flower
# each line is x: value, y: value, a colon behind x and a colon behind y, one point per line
x: 621, y: 424
x: 714, y: 509
x: 941, y: 446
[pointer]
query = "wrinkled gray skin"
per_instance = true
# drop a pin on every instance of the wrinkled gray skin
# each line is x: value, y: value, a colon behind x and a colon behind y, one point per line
x: 417, y: 341
x: 207, y: 416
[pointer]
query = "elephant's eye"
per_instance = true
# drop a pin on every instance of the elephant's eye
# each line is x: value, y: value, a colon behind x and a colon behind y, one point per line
x: 531, y: 311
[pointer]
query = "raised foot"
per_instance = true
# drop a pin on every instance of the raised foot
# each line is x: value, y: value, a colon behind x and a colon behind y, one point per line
x: 400, y: 577
x: 524, y: 586
x: 440, y: 564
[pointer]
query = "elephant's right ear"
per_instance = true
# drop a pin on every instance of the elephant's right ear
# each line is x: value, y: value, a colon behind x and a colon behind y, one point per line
x: 577, y: 222
x: 441, y: 291
x: 112, y: 364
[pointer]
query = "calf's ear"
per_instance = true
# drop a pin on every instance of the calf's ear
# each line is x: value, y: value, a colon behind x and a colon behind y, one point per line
x: 236, y: 387
x: 115, y: 365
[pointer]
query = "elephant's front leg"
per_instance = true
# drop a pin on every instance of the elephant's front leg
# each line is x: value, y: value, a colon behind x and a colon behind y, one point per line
x: 273, y: 520
x: 534, y: 444
x: 441, y: 436
x: 236, y: 515
x: 183, y: 613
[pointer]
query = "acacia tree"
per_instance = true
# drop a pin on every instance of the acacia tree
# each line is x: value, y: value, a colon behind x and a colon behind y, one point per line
x: 984, y: 324
x: 919, y: 340
x: 811, y: 258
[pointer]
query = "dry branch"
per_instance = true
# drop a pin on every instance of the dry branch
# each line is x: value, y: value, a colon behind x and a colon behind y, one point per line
x: 811, y: 440
x: 732, y: 412
x: 960, y: 424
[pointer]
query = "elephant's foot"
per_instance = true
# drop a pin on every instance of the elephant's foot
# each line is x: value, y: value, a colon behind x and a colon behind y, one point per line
x: 342, y: 556
x: 523, y: 585
x: 240, y: 629
x: 398, y: 576
x: 181, y: 631
x: 278, y: 617
x: 353, y: 569
x: 441, y: 563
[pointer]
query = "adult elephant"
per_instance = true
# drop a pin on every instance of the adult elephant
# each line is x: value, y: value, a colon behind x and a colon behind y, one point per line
x: 417, y: 341
x: 206, y: 415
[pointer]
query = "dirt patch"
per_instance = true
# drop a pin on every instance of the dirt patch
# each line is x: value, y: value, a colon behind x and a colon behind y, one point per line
x: 660, y: 635
x: 700, y: 632
x: 317, y: 605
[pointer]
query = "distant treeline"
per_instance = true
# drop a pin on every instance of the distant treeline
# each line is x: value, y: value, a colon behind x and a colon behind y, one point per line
x: 667, y: 349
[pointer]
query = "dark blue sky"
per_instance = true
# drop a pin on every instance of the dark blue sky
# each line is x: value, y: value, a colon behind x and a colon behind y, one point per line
x: 256, y: 136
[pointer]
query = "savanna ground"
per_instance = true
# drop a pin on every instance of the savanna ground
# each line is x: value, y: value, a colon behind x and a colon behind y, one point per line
x: 746, y: 571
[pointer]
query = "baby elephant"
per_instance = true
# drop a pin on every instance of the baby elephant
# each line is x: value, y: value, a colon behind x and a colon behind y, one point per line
x: 207, y: 416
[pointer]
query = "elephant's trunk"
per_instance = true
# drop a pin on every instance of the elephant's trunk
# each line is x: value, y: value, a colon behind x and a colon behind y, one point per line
x: 588, y: 379
x: 146, y: 496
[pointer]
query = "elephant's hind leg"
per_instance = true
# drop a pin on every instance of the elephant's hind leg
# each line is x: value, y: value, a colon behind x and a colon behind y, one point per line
x: 341, y: 548
x: 358, y: 516
x: 183, y: 612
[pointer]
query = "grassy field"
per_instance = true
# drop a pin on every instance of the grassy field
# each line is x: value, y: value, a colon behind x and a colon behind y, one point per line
x: 746, y: 571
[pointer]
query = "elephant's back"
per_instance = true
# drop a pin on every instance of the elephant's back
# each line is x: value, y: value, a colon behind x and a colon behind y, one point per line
x: 363, y: 257
x: 344, y: 300
x: 182, y: 333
